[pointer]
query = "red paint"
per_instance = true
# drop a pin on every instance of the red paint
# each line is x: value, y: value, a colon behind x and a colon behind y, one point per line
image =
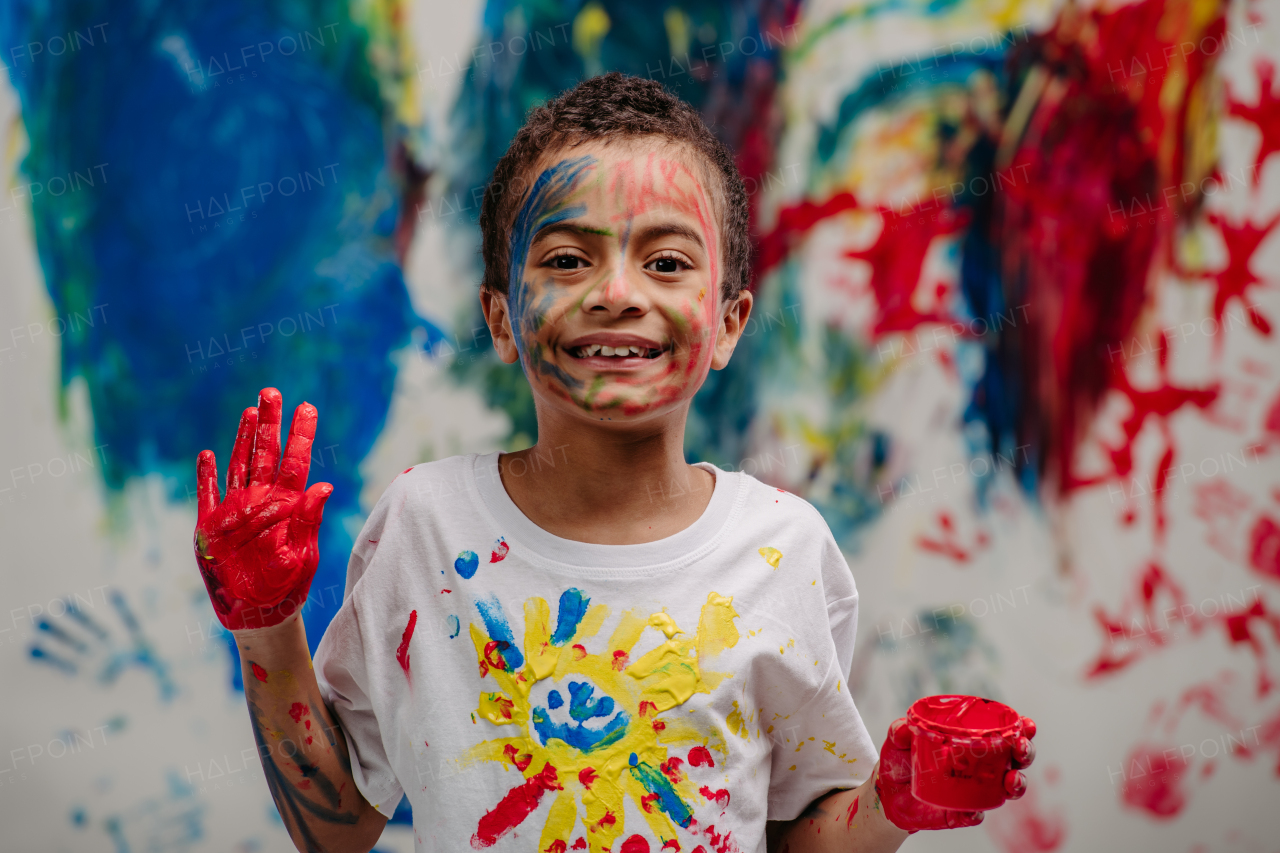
x: 517, y: 805
x: 1153, y: 781
x: 1266, y: 115
x: 443, y: 591
x: 607, y: 820
x: 256, y: 548
x: 406, y: 470
x: 635, y: 844
x: 671, y: 768
x: 500, y: 551
x: 586, y: 776
x: 700, y: 756
x: 402, y: 652
x: 647, y: 801
x: 1235, y: 281
x: 659, y: 726
x: 579, y: 651
x: 309, y: 739
x: 961, y: 750
x: 1020, y: 826
x: 557, y: 846
x: 720, y: 797
x: 259, y: 673
x: 620, y: 660
x: 646, y: 706
x: 671, y: 844
x: 853, y: 812
x: 520, y: 761
x: 1264, y: 548
x: 298, y: 710
x: 305, y: 784
x: 492, y: 656
x: 580, y: 844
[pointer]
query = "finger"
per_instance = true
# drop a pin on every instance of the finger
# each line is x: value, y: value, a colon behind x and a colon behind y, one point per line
x: 1024, y: 752
x: 1028, y: 727
x: 297, y: 452
x: 956, y: 820
x: 1015, y: 784
x: 207, y: 495
x: 900, y: 734
x: 238, y: 470
x: 305, y: 523
x: 266, y: 443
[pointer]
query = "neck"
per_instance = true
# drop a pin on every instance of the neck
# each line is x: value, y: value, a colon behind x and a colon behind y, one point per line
x: 608, y: 486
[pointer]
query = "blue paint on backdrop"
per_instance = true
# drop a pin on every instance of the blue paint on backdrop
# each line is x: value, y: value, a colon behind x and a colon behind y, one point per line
x: 238, y: 236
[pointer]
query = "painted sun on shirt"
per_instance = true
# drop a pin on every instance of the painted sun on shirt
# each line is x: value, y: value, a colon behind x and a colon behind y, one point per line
x: 628, y: 748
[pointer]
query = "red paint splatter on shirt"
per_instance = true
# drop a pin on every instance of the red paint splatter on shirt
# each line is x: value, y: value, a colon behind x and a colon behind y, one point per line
x: 671, y: 768
x: 520, y: 761
x: 402, y: 652
x: 500, y: 551
x: 620, y: 660
x: 580, y: 844
x: 647, y: 801
x: 586, y: 776
x: 635, y: 844
x: 720, y: 797
x: 517, y: 805
x: 557, y: 846
x: 700, y: 756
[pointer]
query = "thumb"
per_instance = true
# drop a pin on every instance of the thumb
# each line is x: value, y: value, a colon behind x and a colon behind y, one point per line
x: 305, y: 523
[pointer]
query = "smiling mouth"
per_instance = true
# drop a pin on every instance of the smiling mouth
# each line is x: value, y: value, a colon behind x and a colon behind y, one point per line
x: 591, y: 350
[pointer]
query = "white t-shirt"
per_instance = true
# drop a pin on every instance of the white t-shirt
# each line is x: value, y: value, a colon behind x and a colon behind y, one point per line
x: 529, y: 692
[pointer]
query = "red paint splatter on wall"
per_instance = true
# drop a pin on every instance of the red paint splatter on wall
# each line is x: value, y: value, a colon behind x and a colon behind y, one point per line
x: 1266, y: 114
x: 1264, y: 548
x: 1153, y: 781
x: 402, y: 652
x: 1235, y: 280
x: 1021, y: 826
x: 517, y: 805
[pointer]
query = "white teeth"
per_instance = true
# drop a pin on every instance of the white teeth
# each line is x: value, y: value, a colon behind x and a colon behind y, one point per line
x: 606, y: 350
x: 593, y: 349
x: 634, y: 350
x: 622, y: 351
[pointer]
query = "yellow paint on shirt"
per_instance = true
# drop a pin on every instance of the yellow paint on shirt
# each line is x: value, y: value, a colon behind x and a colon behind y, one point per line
x: 772, y: 556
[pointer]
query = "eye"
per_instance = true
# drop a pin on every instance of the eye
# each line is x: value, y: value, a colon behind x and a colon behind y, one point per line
x: 567, y: 261
x: 668, y: 264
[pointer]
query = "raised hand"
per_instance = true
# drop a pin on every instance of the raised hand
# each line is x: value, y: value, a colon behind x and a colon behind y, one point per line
x: 893, y: 781
x: 257, y: 547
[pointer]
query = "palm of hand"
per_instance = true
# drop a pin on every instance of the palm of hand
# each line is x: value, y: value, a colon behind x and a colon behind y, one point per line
x: 257, y: 548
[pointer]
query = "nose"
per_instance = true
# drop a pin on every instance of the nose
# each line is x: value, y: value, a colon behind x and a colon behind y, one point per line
x: 619, y: 295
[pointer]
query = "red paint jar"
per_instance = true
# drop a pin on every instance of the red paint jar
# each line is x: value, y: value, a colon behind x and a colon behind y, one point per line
x: 961, y: 751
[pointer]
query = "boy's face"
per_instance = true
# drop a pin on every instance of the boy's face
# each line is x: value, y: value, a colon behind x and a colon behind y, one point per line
x: 613, y: 305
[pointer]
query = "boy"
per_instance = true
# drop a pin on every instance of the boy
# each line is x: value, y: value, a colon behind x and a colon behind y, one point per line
x: 533, y: 649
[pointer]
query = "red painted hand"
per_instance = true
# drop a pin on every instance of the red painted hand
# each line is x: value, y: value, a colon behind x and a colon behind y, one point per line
x: 257, y: 548
x: 893, y: 781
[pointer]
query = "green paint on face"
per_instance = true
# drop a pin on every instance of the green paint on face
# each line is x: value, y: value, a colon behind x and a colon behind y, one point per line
x: 603, y: 232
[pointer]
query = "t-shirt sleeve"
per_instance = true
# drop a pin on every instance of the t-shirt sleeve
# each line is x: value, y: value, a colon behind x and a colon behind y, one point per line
x: 343, y: 672
x: 820, y: 742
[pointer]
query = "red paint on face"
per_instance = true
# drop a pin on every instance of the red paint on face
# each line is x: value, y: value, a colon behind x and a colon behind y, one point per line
x: 635, y: 844
x: 402, y: 652
x: 298, y: 710
x: 259, y: 673
x: 853, y: 812
x: 1153, y: 782
x: 700, y: 756
x: 720, y: 797
x: 517, y: 805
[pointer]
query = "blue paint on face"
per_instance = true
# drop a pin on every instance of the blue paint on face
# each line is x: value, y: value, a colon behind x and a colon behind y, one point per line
x: 546, y: 205
x: 466, y: 564
x: 656, y: 783
x: 495, y: 622
x: 573, y: 607
x: 581, y: 709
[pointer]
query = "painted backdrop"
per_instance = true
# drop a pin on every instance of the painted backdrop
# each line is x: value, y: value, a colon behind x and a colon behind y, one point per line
x: 1015, y: 338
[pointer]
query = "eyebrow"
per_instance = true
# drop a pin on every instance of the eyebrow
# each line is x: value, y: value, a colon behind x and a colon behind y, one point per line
x: 652, y: 232
x: 569, y: 228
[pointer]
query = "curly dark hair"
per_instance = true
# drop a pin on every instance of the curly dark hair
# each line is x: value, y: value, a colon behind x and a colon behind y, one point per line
x: 615, y: 107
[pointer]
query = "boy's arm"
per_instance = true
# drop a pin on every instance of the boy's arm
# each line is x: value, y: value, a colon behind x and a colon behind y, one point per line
x: 300, y: 741
x: 257, y: 550
x: 840, y: 821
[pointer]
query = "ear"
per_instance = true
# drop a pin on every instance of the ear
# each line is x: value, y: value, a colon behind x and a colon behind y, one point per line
x: 498, y: 318
x: 732, y: 323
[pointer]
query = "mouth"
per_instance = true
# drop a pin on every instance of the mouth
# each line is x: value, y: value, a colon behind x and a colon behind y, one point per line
x: 615, y: 352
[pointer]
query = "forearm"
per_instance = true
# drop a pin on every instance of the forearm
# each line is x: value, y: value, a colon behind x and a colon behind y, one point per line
x: 848, y: 821
x: 303, y: 752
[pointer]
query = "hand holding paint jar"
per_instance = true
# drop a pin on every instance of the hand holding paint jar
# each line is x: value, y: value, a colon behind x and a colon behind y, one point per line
x: 952, y: 758
x: 257, y: 547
